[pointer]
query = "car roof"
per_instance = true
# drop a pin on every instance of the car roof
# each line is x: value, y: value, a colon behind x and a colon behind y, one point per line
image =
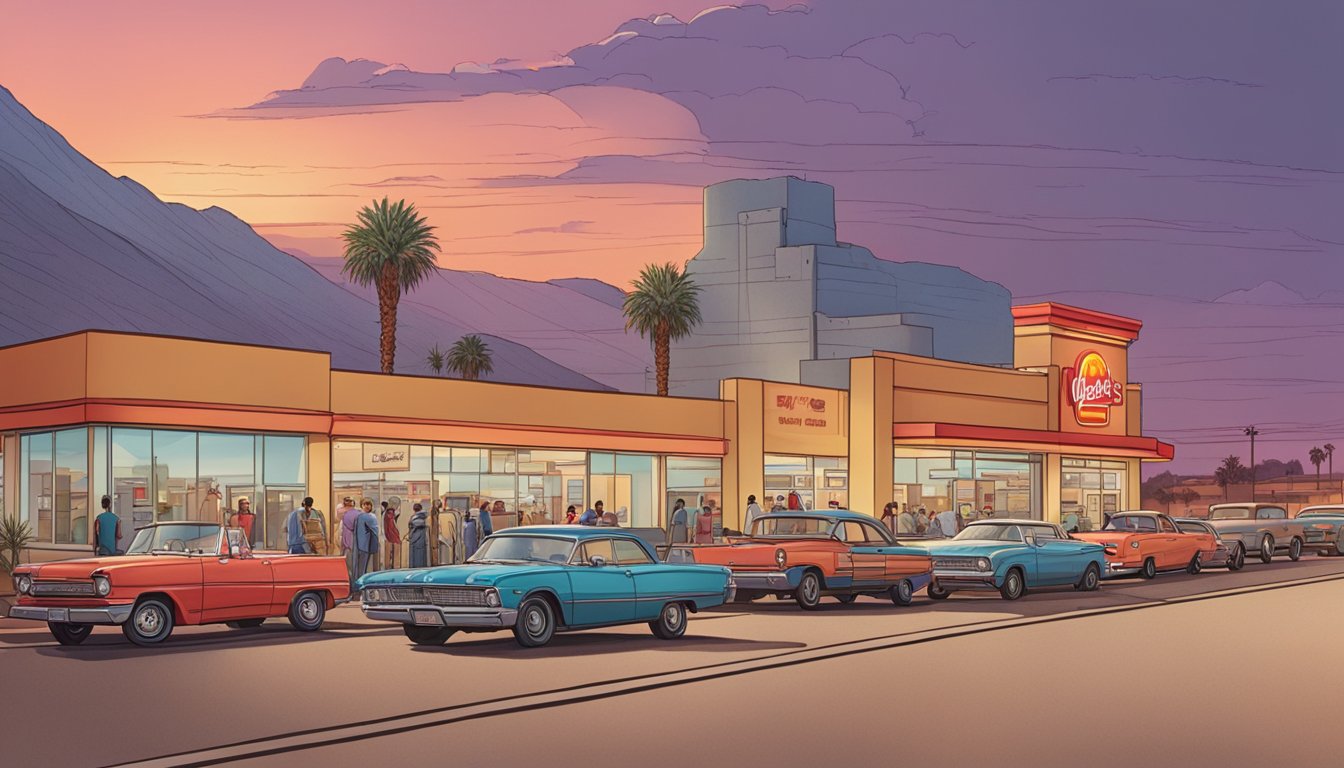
x: 1136, y: 512
x: 1243, y: 504
x: 568, y: 531
x: 1323, y: 508
x: 828, y: 514
x: 1191, y: 520
x: 1010, y: 521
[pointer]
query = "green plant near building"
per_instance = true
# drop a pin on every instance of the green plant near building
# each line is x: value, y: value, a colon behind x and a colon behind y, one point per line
x: 15, y: 535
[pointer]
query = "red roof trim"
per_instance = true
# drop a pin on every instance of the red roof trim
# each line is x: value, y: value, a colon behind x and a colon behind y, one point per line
x: 1142, y: 447
x: 1077, y: 318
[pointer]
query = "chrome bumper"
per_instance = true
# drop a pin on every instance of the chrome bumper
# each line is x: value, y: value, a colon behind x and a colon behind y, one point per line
x: 965, y: 579
x: 111, y: 614
x: 1113, y: 570
x: 763, y: 581
x: 495, y: 618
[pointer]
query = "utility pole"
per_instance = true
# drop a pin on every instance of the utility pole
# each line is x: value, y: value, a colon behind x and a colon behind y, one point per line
x: 1251, y: 432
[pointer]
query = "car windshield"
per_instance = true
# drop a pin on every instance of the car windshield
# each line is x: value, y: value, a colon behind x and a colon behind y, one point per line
x: 1234, y: 513
x: 803, y: 527
x: 177, y: 538
x: 1134, y: 523
x: 524, y: 549
x: 989, y: 532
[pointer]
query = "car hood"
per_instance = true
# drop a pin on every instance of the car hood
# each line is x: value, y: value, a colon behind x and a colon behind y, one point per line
x: 949, y: 548
x: 467, y: 574
x: 83, y: 568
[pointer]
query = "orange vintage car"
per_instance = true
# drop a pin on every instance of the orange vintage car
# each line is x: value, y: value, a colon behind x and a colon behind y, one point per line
x: 808, y: 555
x: 179, y: 573
x: 1148, y: 542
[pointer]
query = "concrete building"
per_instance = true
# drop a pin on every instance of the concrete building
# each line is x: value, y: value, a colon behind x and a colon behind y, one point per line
x: 783, y: 300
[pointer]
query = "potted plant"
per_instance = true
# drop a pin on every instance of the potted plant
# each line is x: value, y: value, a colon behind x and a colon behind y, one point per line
x: 15, y: 535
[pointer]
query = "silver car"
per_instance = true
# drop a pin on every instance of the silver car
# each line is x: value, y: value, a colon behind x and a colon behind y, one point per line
x: 1231, y: 556
x: 1262, y: 529
x: 1324, y: 527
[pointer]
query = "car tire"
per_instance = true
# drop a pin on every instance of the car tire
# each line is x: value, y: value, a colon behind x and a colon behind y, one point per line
x: 671, y: 622
x: 1014, y: 585
x: 1237, y: 560
x: 936, y: 592
x: 69, y: 634
x: 308, y: 611
x: 1149, y: 569
x: 536, y: 623
x: 903, y: 592
x: 1295, y: 549
x: 1266, y: 548
x: 808, y: 593
x: 427, y: 635
x: 1196, y: 565
x: 846, y: 599
x: 150, y: 622
x: 1090, y: 580
x: 244, y: 623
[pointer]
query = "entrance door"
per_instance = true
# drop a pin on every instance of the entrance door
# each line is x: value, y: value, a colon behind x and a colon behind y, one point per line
x: 603, y: 594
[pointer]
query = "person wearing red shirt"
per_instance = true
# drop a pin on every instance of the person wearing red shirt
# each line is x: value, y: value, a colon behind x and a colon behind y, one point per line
x: 392, y: 534
x: 244, y: 518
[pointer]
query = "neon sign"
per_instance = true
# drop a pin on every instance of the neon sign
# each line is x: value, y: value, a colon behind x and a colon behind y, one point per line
x: 1092, y: 390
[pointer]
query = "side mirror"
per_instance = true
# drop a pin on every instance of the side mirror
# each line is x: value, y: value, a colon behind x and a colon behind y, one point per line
x: 597, y: 561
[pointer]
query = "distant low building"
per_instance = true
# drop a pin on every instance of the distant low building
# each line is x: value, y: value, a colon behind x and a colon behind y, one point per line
x: 783, y: 300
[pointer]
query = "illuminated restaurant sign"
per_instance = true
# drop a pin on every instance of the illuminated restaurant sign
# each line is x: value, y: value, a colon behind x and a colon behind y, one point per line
x: 801, y: 409
x: 1091, y: 390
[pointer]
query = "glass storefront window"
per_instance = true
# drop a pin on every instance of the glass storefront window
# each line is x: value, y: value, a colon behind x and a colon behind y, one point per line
x: 174, y: 475
x: 54, y: 485
x: 35, y: 469
x: 699, y: 481
x: 226, y: 471
x: 806, y: 482
x: 969, y: 484
x: 548, y: 482
x: 1089, y: 491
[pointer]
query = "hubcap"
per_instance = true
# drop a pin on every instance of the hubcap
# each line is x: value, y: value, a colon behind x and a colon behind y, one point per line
x: 906, y: 590
x: 672, y: 616
x: 810, y: 589
x: 308, y: 609
x: 148, y: 620
x: 536, y: 622
x: 1014, y: 583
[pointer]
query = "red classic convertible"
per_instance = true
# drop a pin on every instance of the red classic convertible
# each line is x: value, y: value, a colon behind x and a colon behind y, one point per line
x: 179, y: 573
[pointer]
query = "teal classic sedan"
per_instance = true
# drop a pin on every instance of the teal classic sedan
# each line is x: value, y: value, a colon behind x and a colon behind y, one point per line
x: 543, y: 579
x: 1012, y: 556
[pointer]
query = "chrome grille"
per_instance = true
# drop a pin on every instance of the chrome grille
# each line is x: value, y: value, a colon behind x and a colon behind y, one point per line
x: 62, y: 588
x: 404, y: 594
x: 455, y: 596
x: 954, y: 563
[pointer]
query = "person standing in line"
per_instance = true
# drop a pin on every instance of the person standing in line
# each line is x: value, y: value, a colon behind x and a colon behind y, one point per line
x: 905, y: 521
x: 889, y: 516
x: 679, y: 532
x: 934, y: 527
x: 107, y: 529
x: 947, y: 522
x: 753, y: 511
x: 417, y: 539
x: 571, y: 515
x: 392, y: 534
x: 704, y: 526
x: 486, y: 525
x: 355, y: 561
x: 245, y: 518
x: 779, y: 504
x: 348, y: 518
x: 366, y: 541
x: 293, y: 528
x: 470, y: 535
x: 593, y: 516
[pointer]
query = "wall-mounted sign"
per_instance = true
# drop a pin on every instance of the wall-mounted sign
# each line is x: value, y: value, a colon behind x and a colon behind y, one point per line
x: 1091, y: 390
x: 801, y: 410
x: 381, y: 457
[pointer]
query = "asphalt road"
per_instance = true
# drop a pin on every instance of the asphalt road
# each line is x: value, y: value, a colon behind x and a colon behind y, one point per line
x: 1216, y: 669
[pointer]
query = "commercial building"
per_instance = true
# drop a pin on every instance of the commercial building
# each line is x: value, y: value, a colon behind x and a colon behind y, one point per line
x: 782, y: 299
x: 175, y: 428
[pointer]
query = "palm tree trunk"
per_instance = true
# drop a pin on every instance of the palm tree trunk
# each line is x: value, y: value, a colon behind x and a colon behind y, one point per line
x: 388, y: 296
x: 662, y: 356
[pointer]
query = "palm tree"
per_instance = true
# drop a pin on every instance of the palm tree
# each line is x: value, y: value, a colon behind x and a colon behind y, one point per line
x: 1317, y: 457
x: 470, y: 358
x: 1187, y: 496
x: 1330, y: 457
x: 1164, y: 496
x: 436, y: 360
x: 664, y: 305
x: 392, y: 249
x: 1230, y: 472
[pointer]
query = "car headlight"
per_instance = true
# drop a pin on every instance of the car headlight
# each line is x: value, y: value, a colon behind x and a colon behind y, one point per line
x: 1133, y: 545
x: 982, y: 563
x: 23, y: 584
x: 102, y: 586
x: 492, y: 597
x: 781, y: 558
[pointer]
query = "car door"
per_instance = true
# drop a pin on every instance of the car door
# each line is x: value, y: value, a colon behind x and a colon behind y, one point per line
x: 896, y: 565
x: 1176, y: 549
x: 1055, y: 561
x: 1275, y: 520
x: 655, y: 583
x: 236, y: 585
x: 869, y: 562
x: 603, y: 594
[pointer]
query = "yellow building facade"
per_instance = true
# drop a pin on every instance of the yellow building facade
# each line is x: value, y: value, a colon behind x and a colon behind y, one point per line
x: 172, y: 428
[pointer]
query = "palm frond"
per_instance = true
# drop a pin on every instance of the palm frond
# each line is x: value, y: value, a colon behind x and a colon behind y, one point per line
x: 470, y: 357
x: 390, y: 233
x: 663, y: 296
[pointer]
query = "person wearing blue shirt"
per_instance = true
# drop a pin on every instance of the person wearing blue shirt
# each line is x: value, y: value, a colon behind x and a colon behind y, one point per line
x: 592, y: 516
x: 294, y: 533
x: 107, y: 529
x: 365, y: 540
x: 487, y: 527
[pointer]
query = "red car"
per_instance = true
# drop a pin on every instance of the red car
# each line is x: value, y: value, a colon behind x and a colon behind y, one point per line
x: 1147, y: 542
x: 179, y: 573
